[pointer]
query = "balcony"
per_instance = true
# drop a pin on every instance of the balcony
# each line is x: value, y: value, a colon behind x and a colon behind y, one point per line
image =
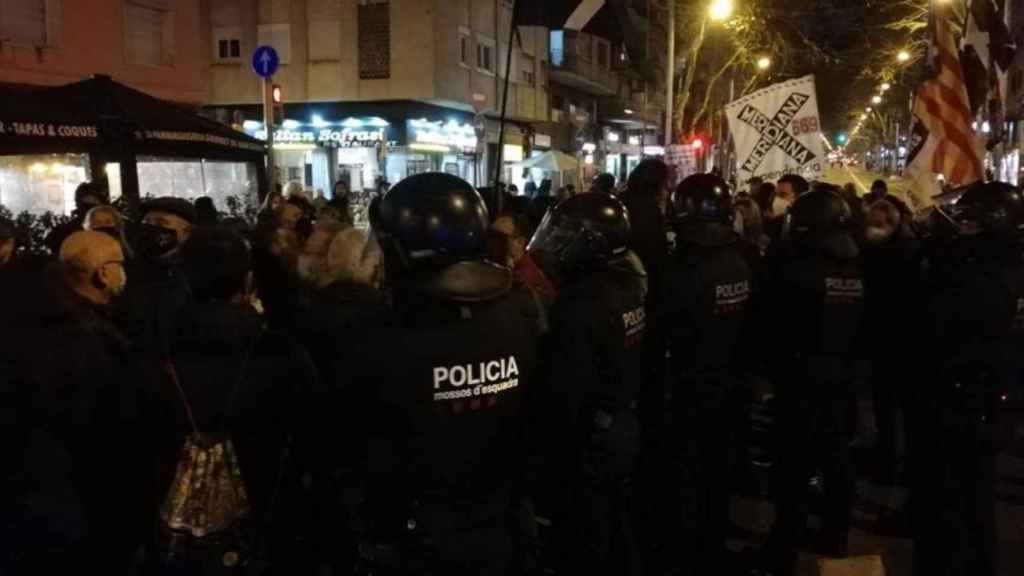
x: 583, y: 62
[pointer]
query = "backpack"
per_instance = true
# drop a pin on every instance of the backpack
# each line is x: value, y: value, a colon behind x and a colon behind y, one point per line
x: 205, y: 517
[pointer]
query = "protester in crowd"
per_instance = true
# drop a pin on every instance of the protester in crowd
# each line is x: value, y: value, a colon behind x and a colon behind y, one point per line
x: 254, y: 391
x: 158, y: 289
x: 509, y: 236
x: 787, y: 190
x: 319, y: 200
x: 603, y: 183
x: 88, y: 195
x: 544, y: 189
x: 530, y: 188
x: 206, y: 211
x: 570, y: 190
x: 644, y: 199
x: 7, y: 243
x: 271, y: 203
x: 879, y: 190
x: 754, y: 185
x: 87, y: 456
x: 747, y: 222
x: 108, y: 219
x: 764, y: 194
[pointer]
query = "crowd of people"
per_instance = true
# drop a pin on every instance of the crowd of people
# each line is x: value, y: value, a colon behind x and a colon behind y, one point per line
x: 546, y: 386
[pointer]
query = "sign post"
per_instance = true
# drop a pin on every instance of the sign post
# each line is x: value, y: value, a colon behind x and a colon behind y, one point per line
x: 265, y: 62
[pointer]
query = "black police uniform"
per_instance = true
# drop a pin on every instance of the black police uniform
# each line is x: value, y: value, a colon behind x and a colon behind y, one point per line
x: 595, y: 368
x: 815, y: 297
x: 976, y: 283
x: 441, y: 394
x: 706, y: 304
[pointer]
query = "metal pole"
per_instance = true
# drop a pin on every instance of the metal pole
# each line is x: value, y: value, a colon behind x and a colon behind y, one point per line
x: 268, y: 123
x: 504, y: 108
x: 670, y: 72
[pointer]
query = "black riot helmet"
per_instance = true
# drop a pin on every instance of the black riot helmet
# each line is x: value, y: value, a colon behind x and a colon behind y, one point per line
x: 990, y: 209
x: 702, y: 198
x: 821, y: 220
x: 432, y: 228
x: 584, y: 232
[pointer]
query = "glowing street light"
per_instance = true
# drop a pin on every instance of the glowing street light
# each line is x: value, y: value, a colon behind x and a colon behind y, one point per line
x: 885, y: 86
x: 868, y: 108
x: 764, y: 62
x: 876, y: 100
x: 903, y: 56
x: 720, y: 10
x: 863, y: 117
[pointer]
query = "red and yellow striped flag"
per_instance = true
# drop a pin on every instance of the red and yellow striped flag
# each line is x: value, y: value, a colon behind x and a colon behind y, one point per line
x: 943, y: 109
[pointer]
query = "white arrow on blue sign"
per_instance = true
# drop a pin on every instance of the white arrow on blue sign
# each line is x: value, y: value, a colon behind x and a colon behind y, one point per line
x: 265, y: 61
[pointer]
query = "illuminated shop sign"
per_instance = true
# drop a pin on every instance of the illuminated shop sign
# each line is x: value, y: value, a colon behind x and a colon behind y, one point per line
x: 441, y: 136
x: 349, y: 133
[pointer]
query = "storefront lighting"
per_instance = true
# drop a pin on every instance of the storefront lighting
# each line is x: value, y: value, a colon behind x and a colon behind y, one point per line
x: 654, y: 150
x: 420, y: 147
x: 290, y: 124
x: 986, y: 128
x: 318, y: 121
x: 252, y: 125
x: 352, y: 123
x: 377, y: 122
x: 37, y: 167
x: 613, y: 136
x: 290, y: 146
x: 634, y: 140
x: 628, y: 111
x: 589, y: 147
x: 588, y: 159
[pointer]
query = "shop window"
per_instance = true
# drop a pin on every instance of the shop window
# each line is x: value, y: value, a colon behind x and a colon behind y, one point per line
x: 227, y: 44
x: 374, y: 39
x: 485, y: 55
x: 464, y: 46
x: 190, y: 179
x: 42, y: 183
x: 279, y: 36
x: 149, y: 33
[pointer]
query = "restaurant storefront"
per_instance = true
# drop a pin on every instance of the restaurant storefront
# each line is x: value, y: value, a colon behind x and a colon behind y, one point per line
x: 319, y: 144
x: 54, y: 138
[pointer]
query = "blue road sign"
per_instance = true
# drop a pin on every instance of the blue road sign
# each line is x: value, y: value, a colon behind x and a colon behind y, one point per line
x: 265, y: 61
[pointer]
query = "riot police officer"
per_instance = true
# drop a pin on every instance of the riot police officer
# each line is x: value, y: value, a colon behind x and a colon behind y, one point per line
x: 813, y: 298
x: 441, y: 396
x: 706, y: 304
x: 976, y: 286
x: 594, y: 366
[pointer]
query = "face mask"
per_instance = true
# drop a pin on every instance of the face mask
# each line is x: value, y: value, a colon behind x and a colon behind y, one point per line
x: 155, y: 242
x: 780, y: 205
x: 877, y: 234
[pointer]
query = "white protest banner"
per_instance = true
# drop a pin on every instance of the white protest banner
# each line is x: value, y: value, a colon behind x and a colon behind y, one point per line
x: 777, y: 131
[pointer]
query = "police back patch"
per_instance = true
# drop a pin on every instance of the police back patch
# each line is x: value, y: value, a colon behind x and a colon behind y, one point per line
x: 634, y: 322
x: 843, y: 290
x: 475, y: 381
x: 731, y: 297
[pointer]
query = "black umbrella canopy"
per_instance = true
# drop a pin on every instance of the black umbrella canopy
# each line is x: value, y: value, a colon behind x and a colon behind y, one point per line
x: 99, y: 112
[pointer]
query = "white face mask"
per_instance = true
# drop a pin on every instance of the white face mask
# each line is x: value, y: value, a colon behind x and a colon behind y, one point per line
x: 780, y: 205
x: 877, y: 234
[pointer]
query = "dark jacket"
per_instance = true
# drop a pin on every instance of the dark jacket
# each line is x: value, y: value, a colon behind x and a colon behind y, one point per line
x: 87, y: 474
x: 649, y: 242
x: 221, y: 350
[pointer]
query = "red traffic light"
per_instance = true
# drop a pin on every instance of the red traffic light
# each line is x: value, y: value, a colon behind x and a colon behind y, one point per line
x: 276, y: 94
x: 697, y: 144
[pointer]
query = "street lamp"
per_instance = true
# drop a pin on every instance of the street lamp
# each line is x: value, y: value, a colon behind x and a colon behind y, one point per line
x: 877, y: 100
x: 720, y: 10
x: 764, y: 62
x: 903, y: 56
x: 886, y: 86
x: 868, y: 109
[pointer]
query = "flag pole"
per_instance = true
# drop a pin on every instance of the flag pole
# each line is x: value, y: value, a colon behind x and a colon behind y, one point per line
x: 499, y: 200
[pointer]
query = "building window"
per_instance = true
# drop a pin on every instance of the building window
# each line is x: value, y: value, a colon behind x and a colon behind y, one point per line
x: 227, y: 44
x: 149, y: 34
x: 279, y: 36
x: 464, y: 46
x: 485, y: 55
x: 374, y: 39
x: 527, y: 71
x: 23, y: 22
x: 602, y: 54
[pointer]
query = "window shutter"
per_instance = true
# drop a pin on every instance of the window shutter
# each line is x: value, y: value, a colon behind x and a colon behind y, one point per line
x: 144, y: 35
x: 24, y: 21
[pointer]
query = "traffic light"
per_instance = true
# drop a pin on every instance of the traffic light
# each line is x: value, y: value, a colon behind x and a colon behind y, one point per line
x: 841, y: 138
x: 697, y: 143
x: 277, y: 95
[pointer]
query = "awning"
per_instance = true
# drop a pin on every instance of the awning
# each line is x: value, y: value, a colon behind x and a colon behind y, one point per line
x: 552, y: 161
x: 99, y: 113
